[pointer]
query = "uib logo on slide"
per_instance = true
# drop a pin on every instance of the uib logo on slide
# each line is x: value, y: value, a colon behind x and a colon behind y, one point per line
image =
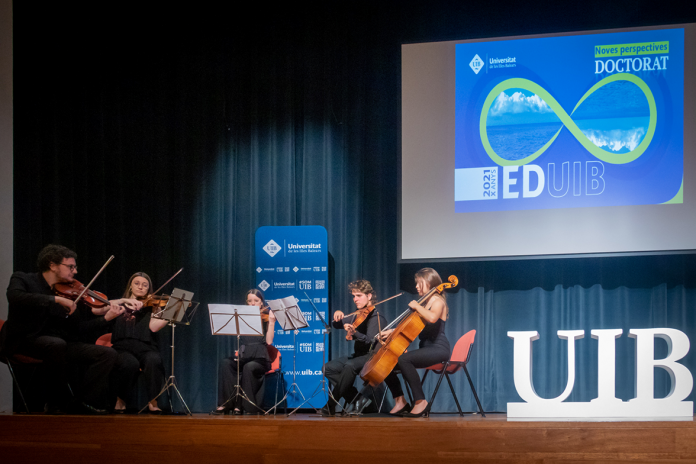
x: 601, y: 131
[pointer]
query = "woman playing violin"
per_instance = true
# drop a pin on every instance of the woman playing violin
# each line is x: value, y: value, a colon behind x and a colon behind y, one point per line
x: 254, y: 362
x: 133, y: 340
x: 434, y: 347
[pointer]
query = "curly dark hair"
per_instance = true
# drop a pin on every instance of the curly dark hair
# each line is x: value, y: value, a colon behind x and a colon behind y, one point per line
x: 363, y: 286
x: 53, y: 254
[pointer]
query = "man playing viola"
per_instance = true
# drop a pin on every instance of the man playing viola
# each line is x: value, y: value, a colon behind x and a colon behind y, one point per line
x: 48, y: 327
x: 341, y: 372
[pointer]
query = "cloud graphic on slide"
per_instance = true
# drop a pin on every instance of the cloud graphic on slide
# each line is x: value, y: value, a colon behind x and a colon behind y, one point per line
x: 616, y: 140
x: 518, y: 103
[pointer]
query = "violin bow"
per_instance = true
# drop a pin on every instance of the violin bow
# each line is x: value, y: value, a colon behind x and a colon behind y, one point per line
x: 170, y: 279
x: 379, y: 303
x: 163, y: 285
x: 79, y: 297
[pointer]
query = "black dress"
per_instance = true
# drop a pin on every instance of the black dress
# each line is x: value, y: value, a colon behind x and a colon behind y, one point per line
x: 137, y: 349
x: 254, y: 362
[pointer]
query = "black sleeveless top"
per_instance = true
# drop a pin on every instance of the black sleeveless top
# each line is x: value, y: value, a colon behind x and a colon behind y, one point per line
x: 434, y: 334
x: 135, y: 329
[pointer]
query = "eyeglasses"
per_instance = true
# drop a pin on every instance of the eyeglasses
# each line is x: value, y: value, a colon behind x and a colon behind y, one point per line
x: 72, y: 267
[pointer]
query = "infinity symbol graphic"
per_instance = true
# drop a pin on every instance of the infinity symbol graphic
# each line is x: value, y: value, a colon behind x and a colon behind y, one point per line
x: 613, y: 158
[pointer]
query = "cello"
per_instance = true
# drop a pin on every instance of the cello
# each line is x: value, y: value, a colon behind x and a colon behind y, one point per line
x: 408, y: 326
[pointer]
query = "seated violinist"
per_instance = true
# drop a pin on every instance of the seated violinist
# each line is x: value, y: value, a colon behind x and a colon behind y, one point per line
x: 341, y: 372
x: 134, y: 341
x: 254, y: 362
x: 49, y: 327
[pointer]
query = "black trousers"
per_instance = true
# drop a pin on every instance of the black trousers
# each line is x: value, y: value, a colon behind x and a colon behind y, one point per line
x: 341, y: 373
x: 93, y: 364
x: 409, y: 363
x: 134, y: 355
x: 251, y: 379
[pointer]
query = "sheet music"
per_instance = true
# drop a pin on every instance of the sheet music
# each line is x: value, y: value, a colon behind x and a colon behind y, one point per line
x: 226, y: 319
x: 288, y: 313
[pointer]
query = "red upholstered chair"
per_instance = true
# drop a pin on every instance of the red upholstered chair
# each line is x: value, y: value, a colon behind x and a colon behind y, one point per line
x: 275, y: 359
x: 459, y: 359
x: 274, y: 354
x: 19, y: 359
x: 104, y: 340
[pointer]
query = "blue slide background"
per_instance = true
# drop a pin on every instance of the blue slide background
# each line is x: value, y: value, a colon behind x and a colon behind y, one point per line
x: 565, y: 67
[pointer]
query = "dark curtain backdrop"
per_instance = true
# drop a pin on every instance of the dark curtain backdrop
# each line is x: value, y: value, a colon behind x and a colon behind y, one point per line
x: 168, y: 137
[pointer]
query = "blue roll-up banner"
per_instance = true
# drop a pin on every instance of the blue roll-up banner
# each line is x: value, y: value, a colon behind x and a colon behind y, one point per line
x: 292, y: 260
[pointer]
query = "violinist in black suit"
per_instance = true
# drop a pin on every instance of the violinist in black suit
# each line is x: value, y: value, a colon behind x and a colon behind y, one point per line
x: 341, y: 372
x: 49, y: 327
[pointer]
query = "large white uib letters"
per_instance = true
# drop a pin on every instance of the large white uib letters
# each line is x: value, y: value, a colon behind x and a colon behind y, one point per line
x: 606, y: 405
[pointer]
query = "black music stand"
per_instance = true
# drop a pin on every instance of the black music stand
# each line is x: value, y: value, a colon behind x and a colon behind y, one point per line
x: 236, y: 320
x: 322, y: 385
x: 180, y: 310
x: 289, y: 316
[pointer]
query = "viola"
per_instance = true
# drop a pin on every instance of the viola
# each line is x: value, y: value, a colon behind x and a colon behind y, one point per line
x: 72, y: 290
x: 410, y: 325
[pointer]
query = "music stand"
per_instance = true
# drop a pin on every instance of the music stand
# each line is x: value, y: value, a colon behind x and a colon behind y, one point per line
x: 176, y: 312
x: 236, y: 320
x: 322, y: 385
x: 290, y: 317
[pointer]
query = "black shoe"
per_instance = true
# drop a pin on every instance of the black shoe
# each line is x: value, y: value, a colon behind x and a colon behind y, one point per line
x: 84, y: 408
x: 328, y: 411
x: 54, y: 410
x: 406, y: 409
x: 358, y: 406
x: 423, y: 413
x: 119, y: 411
x: 220, y: 412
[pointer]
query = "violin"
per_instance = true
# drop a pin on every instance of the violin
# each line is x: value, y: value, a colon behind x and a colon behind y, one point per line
x: 156, y: 301
x: 410, y: 325
x: 361, y: 314
x: 72, y: 290
x: 265, y: 313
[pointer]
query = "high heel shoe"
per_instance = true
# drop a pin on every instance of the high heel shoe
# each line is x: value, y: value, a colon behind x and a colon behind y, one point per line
x: 402, y: 411
x: 423, y: 413
x: 220, y: 412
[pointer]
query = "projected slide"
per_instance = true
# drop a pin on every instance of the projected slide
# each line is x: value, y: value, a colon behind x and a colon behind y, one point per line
x: 570, y: 122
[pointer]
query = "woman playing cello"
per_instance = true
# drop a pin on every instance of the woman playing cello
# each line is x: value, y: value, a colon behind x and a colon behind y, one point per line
x: 434, y: 347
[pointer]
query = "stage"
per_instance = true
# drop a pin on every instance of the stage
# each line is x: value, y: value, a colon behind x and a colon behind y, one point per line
x: 309, y: 438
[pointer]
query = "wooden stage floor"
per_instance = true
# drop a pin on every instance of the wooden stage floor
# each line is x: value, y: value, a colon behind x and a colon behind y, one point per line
x: 306, y: 438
